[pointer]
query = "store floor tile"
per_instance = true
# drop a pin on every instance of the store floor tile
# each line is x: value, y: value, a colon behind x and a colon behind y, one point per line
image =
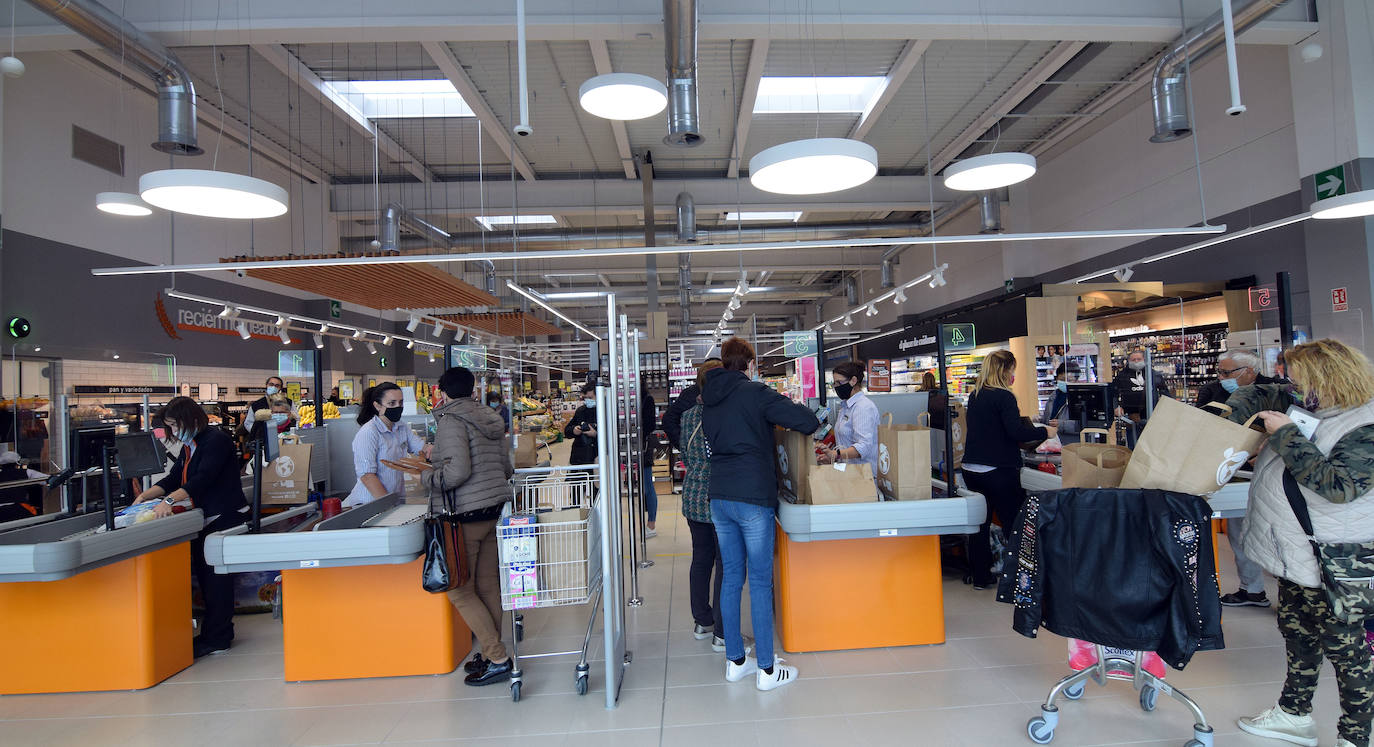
x: 979, y: 688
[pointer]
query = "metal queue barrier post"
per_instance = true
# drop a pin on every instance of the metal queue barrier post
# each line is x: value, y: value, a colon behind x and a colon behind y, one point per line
x: 635, y: 394
x: 613, y: 571
x: 621, y: 370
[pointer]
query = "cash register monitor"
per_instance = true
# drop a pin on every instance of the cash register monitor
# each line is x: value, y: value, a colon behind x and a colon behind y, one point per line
x: 139, y: 455
x: 1090, y: 405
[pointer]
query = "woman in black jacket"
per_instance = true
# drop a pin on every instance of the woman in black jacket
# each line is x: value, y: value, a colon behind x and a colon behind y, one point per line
x: 581, y: 428
x: 992, y: 455
x: 206, y: 475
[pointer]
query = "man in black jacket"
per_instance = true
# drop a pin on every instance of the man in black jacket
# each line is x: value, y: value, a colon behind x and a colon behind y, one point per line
x: 738, y: 422
x: 275, y: 387
x: 581, y: 428
x: 672, y: 419
x: 1129, y: 386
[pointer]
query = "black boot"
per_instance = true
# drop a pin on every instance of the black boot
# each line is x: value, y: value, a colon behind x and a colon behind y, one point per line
x: 489, y: 674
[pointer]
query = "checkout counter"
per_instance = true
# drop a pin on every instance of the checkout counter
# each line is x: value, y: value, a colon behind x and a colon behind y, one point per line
x: 866, y: 575
x: 351, y: 597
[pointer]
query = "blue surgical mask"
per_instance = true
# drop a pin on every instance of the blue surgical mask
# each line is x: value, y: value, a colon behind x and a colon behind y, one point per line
x: 186, y: 437
x: 589, y: 402
x: 494, y: 405
x: 279, y: 417
x: 1230, y: 385
x: 1062, y: 386
x: 271, y: 390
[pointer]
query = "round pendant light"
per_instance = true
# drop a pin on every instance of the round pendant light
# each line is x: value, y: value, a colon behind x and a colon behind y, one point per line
x: 212, y: 194
x: 1353, y: 205
x: 121, y: 203
x: 623, y: 96
x: 992, y: 171
x: 812, y: 167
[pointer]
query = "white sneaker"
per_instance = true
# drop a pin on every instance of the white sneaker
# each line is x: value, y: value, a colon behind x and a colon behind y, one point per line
x: 736, y: 672
x: 782, y: 675
x: 701, y: 632
x: 650, y: 533
x: 1344, y: 743
x: 718, y: 644
x: 1277, y: 723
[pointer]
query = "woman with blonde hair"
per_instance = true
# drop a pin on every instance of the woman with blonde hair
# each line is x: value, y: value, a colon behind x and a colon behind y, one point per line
x: 1331, y: 466
x: 992, y: 455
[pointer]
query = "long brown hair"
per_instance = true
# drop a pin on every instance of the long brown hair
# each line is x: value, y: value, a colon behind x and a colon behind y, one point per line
x: 1335, y: 373
x: 998, y: 368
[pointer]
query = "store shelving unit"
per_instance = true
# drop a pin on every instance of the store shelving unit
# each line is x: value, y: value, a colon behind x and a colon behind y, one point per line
x: 1186, y: 358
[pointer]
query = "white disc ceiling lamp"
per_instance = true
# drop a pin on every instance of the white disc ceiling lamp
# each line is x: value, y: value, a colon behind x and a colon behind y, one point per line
x: 991, y: 171
x: 623, y: 96
x: 122, y: 203
x: 812, y: 167
x: 1353, y: 205
x: 212, y: 194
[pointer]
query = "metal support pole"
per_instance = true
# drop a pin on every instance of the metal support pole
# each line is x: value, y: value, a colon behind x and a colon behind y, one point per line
x: 646, y: 178
x: 637, y: 448
x: 62, y: 436
x: 259, y: 464
x: 1150, y: 382
x: 624, y: 406
x: 106, y: 493
x: 1285, y: 287
x: 147, y: 426
x: 949, y: 410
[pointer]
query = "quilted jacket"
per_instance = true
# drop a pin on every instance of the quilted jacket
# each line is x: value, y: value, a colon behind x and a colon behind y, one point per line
x: 471, y: 455
x: 1334, y: 469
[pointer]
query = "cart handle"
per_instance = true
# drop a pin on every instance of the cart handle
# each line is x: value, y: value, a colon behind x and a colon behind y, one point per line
x: 592, y: 467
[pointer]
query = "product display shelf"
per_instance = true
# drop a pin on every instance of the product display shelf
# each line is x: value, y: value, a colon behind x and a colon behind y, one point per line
x: 1186, y: 358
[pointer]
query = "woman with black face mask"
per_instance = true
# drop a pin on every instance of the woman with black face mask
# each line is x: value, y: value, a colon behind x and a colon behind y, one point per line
x: 856, y: 419
x: 382, y: 437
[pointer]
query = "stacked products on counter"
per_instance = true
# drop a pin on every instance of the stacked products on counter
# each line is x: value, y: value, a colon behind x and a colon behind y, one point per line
x: 305, y: 416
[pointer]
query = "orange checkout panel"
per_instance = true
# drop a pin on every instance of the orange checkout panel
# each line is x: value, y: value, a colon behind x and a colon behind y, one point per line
x: 866, y: 575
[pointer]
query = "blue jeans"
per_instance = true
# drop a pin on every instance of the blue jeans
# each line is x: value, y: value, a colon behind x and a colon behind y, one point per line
x: 650, y: 495
x: 745, y: 533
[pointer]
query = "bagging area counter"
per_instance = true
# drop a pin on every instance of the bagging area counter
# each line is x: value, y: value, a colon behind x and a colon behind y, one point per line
x: 351, y: 597
x: 113, y: 607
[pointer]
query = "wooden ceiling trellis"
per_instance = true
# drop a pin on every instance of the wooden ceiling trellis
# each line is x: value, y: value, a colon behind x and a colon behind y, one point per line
x: 382, y: 287
x: 505, y: 323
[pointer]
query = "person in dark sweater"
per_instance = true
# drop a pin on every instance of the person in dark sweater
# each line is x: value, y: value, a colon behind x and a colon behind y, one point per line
x: 648, y: 423
x: 205, y: 474
x: 1129, y: 386
x: 672, y: 418
x: 992, y: 456
x: 581, y: 428
x: 1235, y: 369
x: 738, y: 421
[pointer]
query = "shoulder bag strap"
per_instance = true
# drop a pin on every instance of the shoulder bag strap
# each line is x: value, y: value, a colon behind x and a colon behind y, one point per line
x: 1297, y: 502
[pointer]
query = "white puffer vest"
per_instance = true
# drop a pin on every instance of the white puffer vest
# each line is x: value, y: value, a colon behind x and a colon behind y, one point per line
x: 1273, y: 537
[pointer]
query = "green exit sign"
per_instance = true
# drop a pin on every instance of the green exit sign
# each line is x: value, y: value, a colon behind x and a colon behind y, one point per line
x: 1330, y: 183
x: 335, y: 309
x: 958, y: 337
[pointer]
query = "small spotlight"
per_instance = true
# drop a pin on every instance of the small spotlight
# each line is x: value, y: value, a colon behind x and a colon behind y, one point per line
x: 357, y: 334
x: 319, y: 341
x: 458, y: 336
x: 371, y: 349
x: 229, y: 312
x: 324, y: 327
x: 115, y: 356
x: 872, y: 310
x: 742, y: 288
x: 1124, y: 274
x: 431, y: 356
x: 900, y: 297
x: 410, y: 344
x: 938, y: 280
x: 734, y: 302
x: 282, y: 320
x: 243, y: 330
x: 386, y: 339
x: 284, y: 335
x: 347, y: 345
x: 413, y: 323
x: 829, y: 330
x: 848, y: 320
x: 438, y: 330
x: 728, y: 314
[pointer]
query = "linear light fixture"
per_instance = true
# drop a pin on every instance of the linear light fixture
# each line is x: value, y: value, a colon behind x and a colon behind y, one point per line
x: 871, y: 304
x: 1251, y: 231
x: 641, y: 251
x: 531, y: 295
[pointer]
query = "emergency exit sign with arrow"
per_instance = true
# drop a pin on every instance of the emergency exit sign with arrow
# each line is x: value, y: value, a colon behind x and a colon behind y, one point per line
x: 1330, y: 183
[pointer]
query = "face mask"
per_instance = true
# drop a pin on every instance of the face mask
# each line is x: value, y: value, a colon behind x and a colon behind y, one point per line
x: 1062, y: 386
x: 843, y: 391
x: 1230, y: 385
x: 186, y: 437
x: 589, y: 402
x: 393, y: 413
x: 1137, y: 365
x: 494, y: 405
x: 272, y: 390
x: 279, y: 417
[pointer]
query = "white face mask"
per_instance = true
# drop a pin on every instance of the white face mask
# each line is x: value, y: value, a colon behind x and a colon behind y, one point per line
x: 272, y: 390
x: 589, y: 402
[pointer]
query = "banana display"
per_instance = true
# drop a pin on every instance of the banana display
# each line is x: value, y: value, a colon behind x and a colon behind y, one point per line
x: 306, y: 416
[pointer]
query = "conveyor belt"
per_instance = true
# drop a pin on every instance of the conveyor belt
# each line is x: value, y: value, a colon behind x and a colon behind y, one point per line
x: 62, y: 548
x: 383, y: 532
x: 958, y: 515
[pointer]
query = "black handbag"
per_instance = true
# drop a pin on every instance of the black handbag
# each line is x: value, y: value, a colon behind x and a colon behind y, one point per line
x: 446, y: 557
x: 1347, y: 568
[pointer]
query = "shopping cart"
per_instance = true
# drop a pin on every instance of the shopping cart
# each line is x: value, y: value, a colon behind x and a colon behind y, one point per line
x: 554, y: 561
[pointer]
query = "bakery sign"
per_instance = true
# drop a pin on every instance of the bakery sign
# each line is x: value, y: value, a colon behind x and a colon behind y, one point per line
x: 196, y: 317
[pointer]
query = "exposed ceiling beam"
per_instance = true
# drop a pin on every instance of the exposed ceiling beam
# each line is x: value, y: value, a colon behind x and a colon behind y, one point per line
x: 906, y: 62
x: 601, y: 57
x: 448, y: 64
x: 292, y: 67
x: 1048, y: 65
x: 758, y: 55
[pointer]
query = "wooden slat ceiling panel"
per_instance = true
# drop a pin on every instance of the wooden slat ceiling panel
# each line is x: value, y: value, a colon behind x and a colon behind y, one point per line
x: 505, y: 323
x: 408, y: 286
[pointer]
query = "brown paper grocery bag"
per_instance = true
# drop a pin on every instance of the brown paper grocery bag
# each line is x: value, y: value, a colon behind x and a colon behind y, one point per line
x: 831, y: 484
x: 1187, y: 450
x: 287, y: 479
x: 1094, y: 465
x: 793, y: 456
x: 903, y: 461
x: 526, y: 450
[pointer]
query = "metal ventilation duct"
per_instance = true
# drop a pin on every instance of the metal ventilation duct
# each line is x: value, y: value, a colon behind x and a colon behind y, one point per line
x: 680, y: 53
x: 176, y: 95
x: 1169, y: 87
x: 851, y: 291
x: 886, y: 267
x: 686, y: 217
x: 990, y: 212
x: 389, y: 235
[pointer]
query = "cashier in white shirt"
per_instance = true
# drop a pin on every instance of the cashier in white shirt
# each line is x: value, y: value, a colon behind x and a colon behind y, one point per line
x: 382, y: 436
x: 856, y: 425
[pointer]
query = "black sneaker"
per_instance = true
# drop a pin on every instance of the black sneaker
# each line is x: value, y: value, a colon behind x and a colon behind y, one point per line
x: 490, y: 674
x: 204, y: 649
x: 1243, y: 598
x: 476, y: 664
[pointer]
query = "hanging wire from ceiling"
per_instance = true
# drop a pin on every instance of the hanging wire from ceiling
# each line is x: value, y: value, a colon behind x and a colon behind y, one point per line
x: 1192, y: 112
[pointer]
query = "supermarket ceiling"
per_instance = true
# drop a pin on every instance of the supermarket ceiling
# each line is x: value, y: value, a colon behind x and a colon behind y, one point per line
x: 940, y: 80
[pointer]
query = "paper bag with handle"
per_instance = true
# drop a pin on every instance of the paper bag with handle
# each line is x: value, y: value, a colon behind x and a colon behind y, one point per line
x: 1188, y: 450
x: 287, y: 479
x: 1094, y: 465
x: 526, y: 450
x: 903, y: 460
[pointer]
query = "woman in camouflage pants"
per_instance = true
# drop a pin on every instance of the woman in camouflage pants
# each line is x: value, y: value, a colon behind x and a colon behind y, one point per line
x: 1333, y: 465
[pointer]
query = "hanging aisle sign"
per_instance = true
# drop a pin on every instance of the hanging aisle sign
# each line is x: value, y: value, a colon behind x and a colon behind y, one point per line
x: 798, y: 344
x: 958, y: 337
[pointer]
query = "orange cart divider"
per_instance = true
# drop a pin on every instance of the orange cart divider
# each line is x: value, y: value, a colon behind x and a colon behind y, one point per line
x: 367, y: 621
x: 124, y: 626
x: 860, y: 593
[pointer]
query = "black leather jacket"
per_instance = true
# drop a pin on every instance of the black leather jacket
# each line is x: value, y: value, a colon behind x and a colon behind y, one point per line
x: 1130, y: 569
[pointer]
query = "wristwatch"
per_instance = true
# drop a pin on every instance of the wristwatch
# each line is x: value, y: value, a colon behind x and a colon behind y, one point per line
x: 168, y: 500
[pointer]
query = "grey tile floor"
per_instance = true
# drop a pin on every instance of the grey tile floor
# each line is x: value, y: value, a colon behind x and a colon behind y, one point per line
x: 979, y: 688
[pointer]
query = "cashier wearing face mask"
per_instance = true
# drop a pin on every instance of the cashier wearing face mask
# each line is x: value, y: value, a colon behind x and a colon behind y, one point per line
x: 382, y: 436
x: 1235, y: 369
x: 205, y: 474
x: 1056, y: 411
x: 275, y: 388
x: 495, y: 403
x: 581, y: 428
x: 856, y: 419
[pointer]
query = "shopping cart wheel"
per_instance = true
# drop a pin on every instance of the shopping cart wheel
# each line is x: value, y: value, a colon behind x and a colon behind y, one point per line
x: 515, y: 692
x: 1039, y: 730
x: 581, y: 684
x: 1076, y: 691
x: 1200, y: 738
x: 1149, y: 696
